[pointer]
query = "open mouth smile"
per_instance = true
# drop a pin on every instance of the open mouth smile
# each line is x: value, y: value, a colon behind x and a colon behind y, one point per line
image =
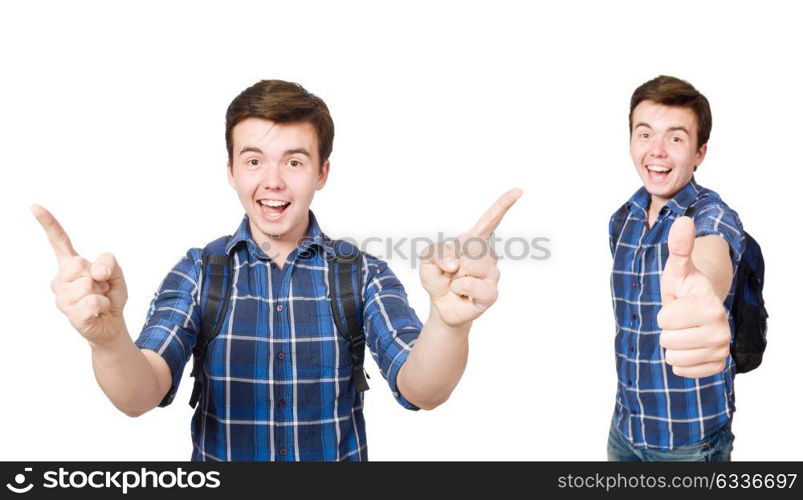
x: 273, y: 209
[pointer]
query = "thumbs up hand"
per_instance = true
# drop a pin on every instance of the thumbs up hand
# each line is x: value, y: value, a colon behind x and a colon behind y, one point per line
x: 462, y: 279
x: 695, y: 330
x: 91, y: 294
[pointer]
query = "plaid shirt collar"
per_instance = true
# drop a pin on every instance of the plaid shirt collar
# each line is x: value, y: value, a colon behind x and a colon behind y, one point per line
x: 314, y: 239
x: 639, y: 203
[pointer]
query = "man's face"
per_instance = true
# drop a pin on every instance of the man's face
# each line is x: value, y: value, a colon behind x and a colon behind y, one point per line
x: 663, y: 145
x: 275, y: 171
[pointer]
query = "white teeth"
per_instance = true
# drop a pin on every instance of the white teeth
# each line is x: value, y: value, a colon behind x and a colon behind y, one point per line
x: 655, y: 168
x: 274, y: 203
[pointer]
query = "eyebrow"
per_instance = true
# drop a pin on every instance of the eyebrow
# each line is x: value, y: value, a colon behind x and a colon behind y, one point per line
x: 295, y: 151
x: 250, y: 149
x: 254, y: 149
x: 671, y: 129
x: 682, y: 129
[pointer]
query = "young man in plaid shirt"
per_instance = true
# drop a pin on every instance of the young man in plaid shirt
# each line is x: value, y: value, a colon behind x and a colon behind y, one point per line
x: 278, y: 380
x: 673, y: 288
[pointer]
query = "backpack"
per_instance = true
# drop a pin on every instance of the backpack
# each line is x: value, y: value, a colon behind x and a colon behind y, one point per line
x: 748, y: 311
x: 346, y: 305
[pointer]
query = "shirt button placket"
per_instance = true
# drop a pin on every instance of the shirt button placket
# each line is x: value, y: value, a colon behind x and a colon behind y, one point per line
x: 280, y: 405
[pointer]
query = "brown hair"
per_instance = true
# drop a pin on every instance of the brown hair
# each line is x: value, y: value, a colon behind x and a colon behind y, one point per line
x: 671, y: 91
x: 282, y: 102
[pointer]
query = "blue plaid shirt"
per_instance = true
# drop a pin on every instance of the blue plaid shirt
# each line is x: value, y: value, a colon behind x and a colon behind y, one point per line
x: 278, y: 382
x: 654, y: 407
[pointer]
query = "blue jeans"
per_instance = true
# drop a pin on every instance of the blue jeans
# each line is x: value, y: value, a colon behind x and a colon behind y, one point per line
x: 715, y: 448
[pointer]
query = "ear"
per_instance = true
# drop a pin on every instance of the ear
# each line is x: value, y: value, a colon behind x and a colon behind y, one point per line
x: 700, y: 156
x: 323, y: 175
x: 230, y: 175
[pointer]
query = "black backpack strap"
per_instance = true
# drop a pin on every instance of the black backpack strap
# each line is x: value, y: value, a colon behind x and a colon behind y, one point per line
x: 617, y: 224
x: 217, y: 268
x: 348, y: 298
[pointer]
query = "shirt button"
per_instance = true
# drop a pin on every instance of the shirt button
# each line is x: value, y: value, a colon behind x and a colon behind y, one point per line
x: 635, y: 284
x: 631, y: 348
x: 280, y: 308
x: 282, y: 451
x: 282, y: 403
x: 281, y: 355
x: 629, y: 383
x: 634, y: 317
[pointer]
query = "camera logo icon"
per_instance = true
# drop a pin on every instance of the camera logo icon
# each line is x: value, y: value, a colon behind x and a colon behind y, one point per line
x: 19, y: 480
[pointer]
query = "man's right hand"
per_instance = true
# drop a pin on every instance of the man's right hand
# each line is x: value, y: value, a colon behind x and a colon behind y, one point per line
x: 91, y: 294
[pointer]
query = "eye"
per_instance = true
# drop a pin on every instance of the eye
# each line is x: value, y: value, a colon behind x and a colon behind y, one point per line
x: 294, y: 163
x: 676, y: 139
x: 253, y: 162
x: 644, y: 135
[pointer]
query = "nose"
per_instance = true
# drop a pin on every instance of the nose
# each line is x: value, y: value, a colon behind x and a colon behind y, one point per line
x: 657, y: 149
x: 273, y: 178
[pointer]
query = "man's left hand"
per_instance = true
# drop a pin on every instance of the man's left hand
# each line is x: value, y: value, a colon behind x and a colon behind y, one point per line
x: 695, y: 330
x: 461, y: 277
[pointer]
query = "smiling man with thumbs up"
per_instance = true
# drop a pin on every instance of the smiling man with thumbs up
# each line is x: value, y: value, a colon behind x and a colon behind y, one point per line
x: 676, y: 246
x: 278, y: 315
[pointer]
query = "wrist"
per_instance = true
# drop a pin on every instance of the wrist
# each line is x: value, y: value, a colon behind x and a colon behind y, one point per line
x: 438, y: 322
x: 111, y: 343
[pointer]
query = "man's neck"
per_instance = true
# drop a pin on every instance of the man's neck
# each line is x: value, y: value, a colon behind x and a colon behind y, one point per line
x: 656, y: 204
x: 278, y: 247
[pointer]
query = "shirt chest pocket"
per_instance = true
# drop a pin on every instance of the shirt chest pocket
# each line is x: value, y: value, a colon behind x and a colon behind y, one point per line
x: 320, y: 351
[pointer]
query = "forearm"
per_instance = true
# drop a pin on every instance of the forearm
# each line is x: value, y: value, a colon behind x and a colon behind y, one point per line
x: 435, y: 364
x: 127, y: 377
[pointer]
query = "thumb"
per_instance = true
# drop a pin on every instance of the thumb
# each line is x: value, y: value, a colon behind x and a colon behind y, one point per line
x: 105, y: 268
x: 443, y: 256
x: 438, y: 263
x: 679, y: 264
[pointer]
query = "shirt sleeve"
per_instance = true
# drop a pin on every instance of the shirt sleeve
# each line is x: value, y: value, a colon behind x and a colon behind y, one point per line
x: 390, y: 325
x: 610, y: 233
x: 717, y: 218
x: 173, y: 319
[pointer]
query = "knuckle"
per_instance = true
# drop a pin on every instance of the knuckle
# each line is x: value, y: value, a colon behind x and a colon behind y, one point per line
x: 670, y: 357
x: 664, y: 340
x: 661, y: 318
x: 716, y: 313
x: 83, y: 286
x: 724, y: 339
x: 95, y: 301
x: 90, y: 305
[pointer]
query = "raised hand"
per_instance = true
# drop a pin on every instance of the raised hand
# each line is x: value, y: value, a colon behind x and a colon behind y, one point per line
x: 695, y: 330
x: 462, y: 278
x: 91, y: 294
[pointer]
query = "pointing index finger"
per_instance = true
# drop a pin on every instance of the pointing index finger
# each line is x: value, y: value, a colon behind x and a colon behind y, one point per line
x: 491, y: 219
x: 55, y: 233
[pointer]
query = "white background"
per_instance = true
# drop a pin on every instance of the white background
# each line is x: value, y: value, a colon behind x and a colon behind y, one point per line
x: 112, y: 117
